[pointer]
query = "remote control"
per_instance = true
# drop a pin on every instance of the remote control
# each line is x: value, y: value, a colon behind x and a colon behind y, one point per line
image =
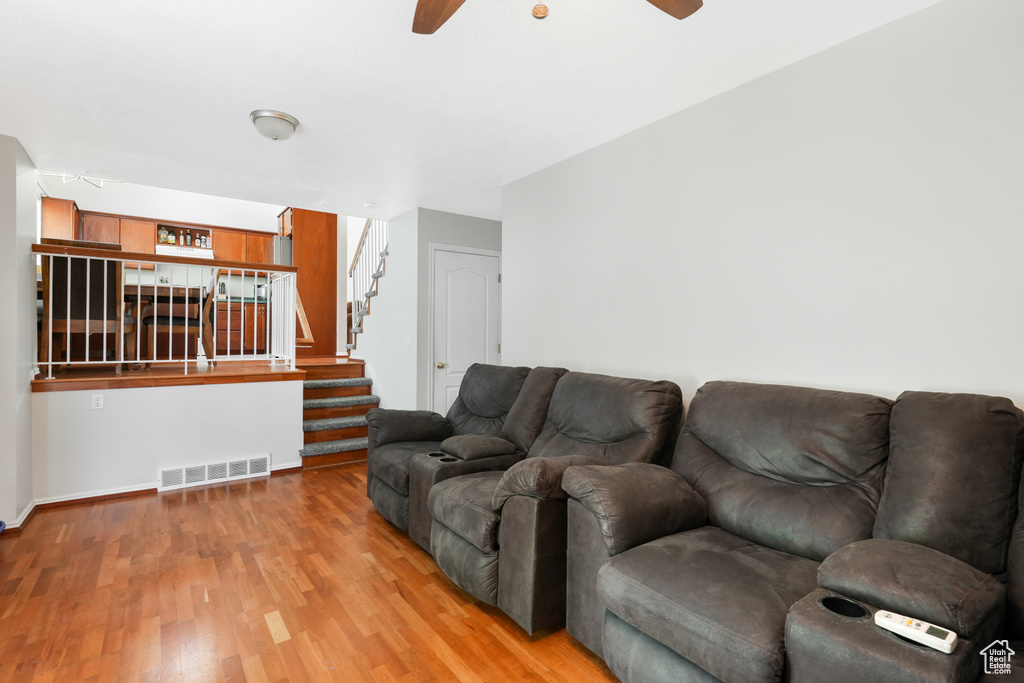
x: 918, y: 631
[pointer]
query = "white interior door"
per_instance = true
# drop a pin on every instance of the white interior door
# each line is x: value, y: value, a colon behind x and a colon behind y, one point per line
x: 466, y: 315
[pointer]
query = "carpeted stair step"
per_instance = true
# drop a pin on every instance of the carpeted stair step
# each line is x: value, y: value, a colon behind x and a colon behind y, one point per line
x: 338, y: 406
x: 330, y: 423
x: 339, y: 402
x: 334, y: 383
x: 327, y: 453
x: 329, y: 447
x: 334, y: 428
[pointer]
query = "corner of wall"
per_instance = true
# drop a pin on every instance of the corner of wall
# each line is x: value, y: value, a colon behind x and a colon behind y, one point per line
x: 18, y: 223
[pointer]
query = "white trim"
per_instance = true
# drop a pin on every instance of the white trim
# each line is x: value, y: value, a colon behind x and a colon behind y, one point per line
x: 20, y: 522
x: 96, y: 494
x: 435, y: 247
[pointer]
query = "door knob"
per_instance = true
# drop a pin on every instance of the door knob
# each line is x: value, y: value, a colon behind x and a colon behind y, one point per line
x: 440, y: 365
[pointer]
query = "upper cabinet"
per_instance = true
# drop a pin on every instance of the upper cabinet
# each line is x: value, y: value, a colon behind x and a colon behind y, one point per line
x: 138, y: 235
x: 229, y: 245
x: 98, y: 227
x: 259, y: 247
x: 59, y: 218
x: 284, y: 223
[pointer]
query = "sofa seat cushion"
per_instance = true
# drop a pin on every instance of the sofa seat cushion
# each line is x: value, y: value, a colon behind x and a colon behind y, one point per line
x: 390, y: 462
x: 463, y: 504
x: 717, y: 599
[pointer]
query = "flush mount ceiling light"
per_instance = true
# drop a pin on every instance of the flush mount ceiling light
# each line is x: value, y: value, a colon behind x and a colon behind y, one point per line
x: 275, y: 125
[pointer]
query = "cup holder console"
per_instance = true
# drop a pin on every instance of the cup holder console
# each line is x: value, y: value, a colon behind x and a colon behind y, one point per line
x: 448, y: 458
x: 843, y: 606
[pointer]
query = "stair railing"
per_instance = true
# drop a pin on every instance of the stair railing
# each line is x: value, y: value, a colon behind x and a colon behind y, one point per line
x: 106, y: 306
x: 367, y: 268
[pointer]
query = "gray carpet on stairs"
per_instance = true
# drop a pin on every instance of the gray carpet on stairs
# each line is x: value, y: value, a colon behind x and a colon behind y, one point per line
x: 328, y: 447
x: 339, y: 401
x: 333, y: 423
x: 333, y: 383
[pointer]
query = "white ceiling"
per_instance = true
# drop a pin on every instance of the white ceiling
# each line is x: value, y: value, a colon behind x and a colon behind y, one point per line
x: 160, y: 93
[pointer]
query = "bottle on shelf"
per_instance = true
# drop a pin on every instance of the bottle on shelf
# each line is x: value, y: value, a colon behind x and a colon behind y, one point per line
x: 170, y: 237
x: 161, y: 235
x: 188, y: 238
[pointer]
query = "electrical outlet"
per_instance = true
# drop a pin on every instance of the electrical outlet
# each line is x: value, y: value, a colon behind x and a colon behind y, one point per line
x: 163, y: 279
x: 97, y: 401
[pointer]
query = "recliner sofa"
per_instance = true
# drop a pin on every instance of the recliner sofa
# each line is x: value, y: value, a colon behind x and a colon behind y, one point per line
x: 501, y: 535
x: 492, y: 423
x: 486, y: 395
x: 788, y: 518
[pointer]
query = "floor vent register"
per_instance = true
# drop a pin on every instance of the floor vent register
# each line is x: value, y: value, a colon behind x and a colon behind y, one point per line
x: 196, y: 475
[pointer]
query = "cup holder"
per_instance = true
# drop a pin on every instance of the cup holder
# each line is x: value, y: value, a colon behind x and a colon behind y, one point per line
x: 844, y: 607
x: 435, y: 454
x: 448, y: 458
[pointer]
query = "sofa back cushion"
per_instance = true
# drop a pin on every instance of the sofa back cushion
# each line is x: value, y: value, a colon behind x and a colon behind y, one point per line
x: 795, y: 469
x: 527, y: 416
x: 954, y: 470
x: 486, y: 395
x: 612, y: 418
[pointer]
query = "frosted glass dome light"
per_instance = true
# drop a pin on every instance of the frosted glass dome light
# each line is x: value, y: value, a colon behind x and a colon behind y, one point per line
x: 275, y: 125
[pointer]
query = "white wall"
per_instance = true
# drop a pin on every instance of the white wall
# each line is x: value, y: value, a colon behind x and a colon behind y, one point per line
x: 81, y: 452
x: 18, y: 225
x: 389, y: 339
x: 164, y: 204
x: 852, y: 221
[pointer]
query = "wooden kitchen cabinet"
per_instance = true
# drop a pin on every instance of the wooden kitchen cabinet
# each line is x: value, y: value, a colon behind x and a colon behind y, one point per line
x: 235, y: 333
x: 97, y: 227
x: 284, y: 223
x: 138, y: 236
x: 59, y: 218
x: 259, y: 248
x: 229, y: 245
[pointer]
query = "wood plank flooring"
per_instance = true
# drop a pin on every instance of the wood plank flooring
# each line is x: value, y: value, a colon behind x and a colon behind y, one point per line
x: 292, y: 578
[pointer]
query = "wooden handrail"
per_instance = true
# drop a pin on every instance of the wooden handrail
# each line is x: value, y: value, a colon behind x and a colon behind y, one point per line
x: 307, y: 332
x: 58, y: 250
x: 362, y: 237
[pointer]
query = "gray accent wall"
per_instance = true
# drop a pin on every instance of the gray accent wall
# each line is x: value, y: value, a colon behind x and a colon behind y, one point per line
x: 855, y: 220
x: 395, y: 342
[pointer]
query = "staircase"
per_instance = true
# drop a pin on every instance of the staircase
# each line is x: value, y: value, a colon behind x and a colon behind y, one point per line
x: 335, y: 399
x: 366, y: 271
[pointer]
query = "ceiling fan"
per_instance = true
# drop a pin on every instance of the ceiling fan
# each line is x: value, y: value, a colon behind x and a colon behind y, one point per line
x: 431, y: 14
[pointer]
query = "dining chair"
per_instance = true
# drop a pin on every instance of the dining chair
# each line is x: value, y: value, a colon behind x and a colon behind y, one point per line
x: 154, y: 324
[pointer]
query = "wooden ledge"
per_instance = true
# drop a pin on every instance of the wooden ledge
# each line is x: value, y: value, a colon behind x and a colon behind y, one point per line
x: 82, y: 378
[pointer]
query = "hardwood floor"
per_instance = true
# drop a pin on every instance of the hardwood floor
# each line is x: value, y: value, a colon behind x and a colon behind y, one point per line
x: 292, y: 578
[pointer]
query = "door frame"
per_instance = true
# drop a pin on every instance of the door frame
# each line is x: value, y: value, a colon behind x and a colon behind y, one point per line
x: 435, y: 247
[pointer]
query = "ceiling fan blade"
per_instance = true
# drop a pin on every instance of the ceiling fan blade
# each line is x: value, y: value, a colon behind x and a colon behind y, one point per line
x: 680, y: 9
x: 431, y: 14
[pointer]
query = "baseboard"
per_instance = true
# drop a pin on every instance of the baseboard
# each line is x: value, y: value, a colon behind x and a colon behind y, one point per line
x: 19, y: 524
x: 94, y: 497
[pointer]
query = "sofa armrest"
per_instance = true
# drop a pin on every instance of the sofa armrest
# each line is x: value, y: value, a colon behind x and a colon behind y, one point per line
x: 427, y: 469
x: 915, y: 581
x: 538, y: 478
x: 475, y: 446
x: 390, y: 426
x: 636, y: 502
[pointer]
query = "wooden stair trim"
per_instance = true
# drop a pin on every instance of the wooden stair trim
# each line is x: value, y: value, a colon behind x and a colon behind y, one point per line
x: 307, y: 333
